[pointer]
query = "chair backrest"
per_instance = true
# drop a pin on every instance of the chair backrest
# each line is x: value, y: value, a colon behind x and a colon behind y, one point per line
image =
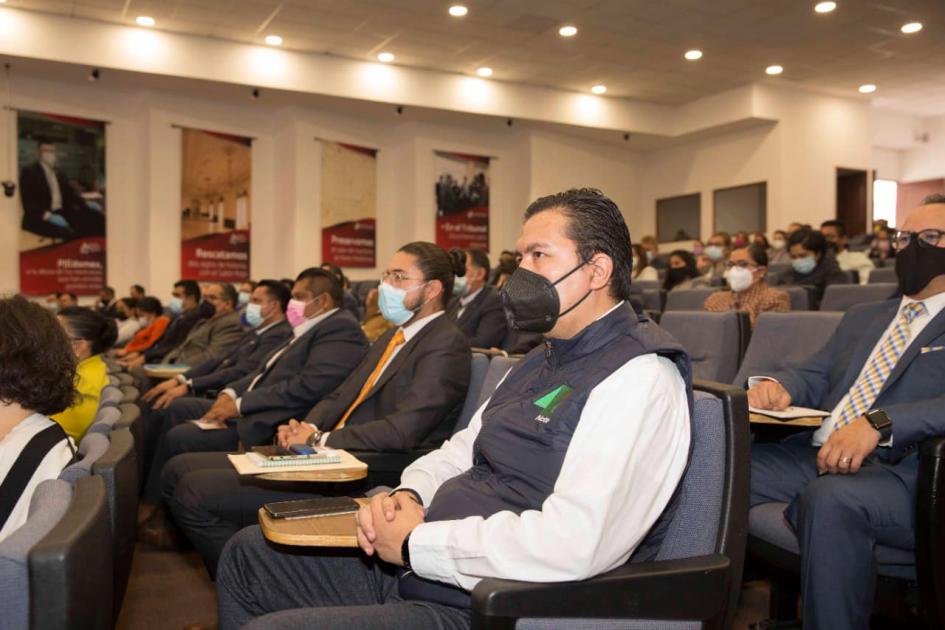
x: 118, y: 468
x: 646, y: 285
x: 477, y: 374
x: 653, y: 300
x: 111, y: 395
x: 361, y: 288
x: 129, y: 394
x: 113, y: 380
x: 853, y: 276
x: 840, y: 297
x: 498, y: 368
x: 716, y: 342
x: 776, y: 269
x: 799, y: 296
x: 712, y: 511
x: 71, y: 567
x: 131, y: 420
x: 688, y: 299
x: 885, y: 275
x: 785, y: 340
x: 49, y: 503
x: 91, y: 448
x: 105, y: 420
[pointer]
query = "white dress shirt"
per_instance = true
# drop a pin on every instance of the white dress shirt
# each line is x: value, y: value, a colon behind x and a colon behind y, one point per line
x: 10, y: 448
x: 856, y: 261
x: 621, y: 469
x: 465, y: 300
x: 55, y: 194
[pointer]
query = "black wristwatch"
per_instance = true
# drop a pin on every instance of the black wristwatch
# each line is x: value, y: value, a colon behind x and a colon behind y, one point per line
x: 881, y: 422
x: 405, y: 552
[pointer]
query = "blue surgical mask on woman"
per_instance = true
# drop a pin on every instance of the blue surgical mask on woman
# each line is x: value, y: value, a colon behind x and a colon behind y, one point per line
x: 254, y: 315
x: 390, y: 300
x: 804, y: 265
x: 714, y: 252
x: 176, y: 305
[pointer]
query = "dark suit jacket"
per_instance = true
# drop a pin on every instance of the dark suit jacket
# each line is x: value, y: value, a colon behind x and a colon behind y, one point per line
x: 174, y: 334
x: 249, y: 354
x: 914, y: 393
x: 37, y: 198
x: 311, y: 368
x: 414, y: 403
x: 825, y: 273
x: 209, y: 340
x: 483, y: 319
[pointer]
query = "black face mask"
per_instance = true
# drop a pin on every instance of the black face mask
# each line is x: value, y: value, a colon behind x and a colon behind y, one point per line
x: 207, y: 310
x: 917, y: 266
x: 531, y: 302
x: 675, y: 275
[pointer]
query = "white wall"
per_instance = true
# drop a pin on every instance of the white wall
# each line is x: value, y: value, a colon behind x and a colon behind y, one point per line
x: 926, y: 160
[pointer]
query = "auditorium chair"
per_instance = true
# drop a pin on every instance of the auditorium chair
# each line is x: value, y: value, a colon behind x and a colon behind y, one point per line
x: 785, y: 340
x: 110, y: 395
x: 800, y: 296
x: 654, y: 300
x: 777, y: 269
x: 105, y: 420
x: 886, y: 275
x: 688, y: 299
x: 715, y: 342
x: 56, y: 570
x: 131, y: 420
x: 902, y: 574
x: 498, y: 368
x: 118, y: 468
x: 853, y: 276
x: 840, y: 297
x: 385, y: 467
x: 129, y: 394
x: 696, y: 577
x: 91, y: 448
x: 645, y: 285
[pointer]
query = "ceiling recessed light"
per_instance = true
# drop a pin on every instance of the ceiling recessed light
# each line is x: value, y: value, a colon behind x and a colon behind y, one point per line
x: 867, y: 88
x: 773, y: 70
x: 273, y: 40
x: 599, y: 89
x: 911, y: 27
x: 484, y: 71
x: 567, y: 31
x: 692, y: 55
x: 825, y: 7
x: 458, y: 10
x: 144, y: 20
x: 386, y: 57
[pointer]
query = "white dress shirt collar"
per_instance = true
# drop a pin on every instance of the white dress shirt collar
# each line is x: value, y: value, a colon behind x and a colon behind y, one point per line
x: 466, y: 299
x: 309, y: 324
x: 933, y: 305
x: 412, y: 329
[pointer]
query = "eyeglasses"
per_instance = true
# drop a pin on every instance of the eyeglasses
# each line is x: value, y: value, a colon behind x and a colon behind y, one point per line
x: 927, y: 238
x: 744, y: 264
x: 397, y: 276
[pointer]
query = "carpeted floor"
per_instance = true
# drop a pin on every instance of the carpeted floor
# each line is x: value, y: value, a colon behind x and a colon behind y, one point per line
x: 170, y: 590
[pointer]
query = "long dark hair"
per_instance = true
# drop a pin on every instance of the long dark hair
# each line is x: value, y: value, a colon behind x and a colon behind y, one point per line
x: 436, y: 264
x: 94, y: 327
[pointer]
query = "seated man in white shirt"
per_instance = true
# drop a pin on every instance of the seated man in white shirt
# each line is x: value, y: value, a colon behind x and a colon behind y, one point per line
x: 566, y: 472
x: 836, y: 234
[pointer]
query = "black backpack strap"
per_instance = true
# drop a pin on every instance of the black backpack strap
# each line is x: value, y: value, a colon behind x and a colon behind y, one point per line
x: 25, y: 466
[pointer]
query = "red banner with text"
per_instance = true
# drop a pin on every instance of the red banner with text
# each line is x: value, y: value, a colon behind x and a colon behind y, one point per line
x: 462, y: 200
x: 349, y: 204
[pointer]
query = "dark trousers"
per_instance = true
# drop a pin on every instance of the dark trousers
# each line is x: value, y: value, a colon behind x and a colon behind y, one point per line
x: 210, y: 502
x: 175, y: 434
x: 838, y: 520
x: 271, y: 586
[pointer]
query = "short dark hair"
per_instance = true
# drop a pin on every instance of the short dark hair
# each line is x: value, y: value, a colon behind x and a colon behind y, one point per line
x: 811, y: 240
x: 230, y: 294
x: 100, y: 331
x: 37, y: 364
x: 336, y: 271
x: 726, y: 238
x: 150, y: 304
x: 933, y: 198
x: 138, y: 288
x: 109, y: 290
x: 276, y: 291
x: 72, y: 295
x: 840, y: 226
x: 321, y: 281
x: 437, y: 264
x: 130, y: 302
x: 190, y: 288
x: 479, y: 259
x: 596, y: 226
x: 251, y: 283
x: 758, y: 254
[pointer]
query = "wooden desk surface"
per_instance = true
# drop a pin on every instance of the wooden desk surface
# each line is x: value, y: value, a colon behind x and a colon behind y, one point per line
x: 350, y: 469
x: 323, y: 531
x: 757, y: 418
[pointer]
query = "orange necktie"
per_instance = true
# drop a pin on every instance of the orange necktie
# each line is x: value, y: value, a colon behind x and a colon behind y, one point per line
x: 395, y: 341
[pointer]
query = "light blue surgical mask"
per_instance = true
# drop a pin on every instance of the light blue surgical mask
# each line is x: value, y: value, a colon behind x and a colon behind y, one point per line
x: 390, y: 300
x: 714, y: 252
x: 253, y: 315
x: 176, y: 305
x: 460, y: 286
x: 243, y: 298
x: 804, y: 265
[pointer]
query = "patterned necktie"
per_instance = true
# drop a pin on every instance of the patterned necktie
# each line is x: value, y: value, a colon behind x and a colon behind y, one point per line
x: 395, y: 341
x: 865, y: 391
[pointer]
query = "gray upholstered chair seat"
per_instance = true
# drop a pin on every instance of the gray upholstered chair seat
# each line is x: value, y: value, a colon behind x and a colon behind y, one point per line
x: 712, y: 340
x: 785, y: 340
x: 840, y: 297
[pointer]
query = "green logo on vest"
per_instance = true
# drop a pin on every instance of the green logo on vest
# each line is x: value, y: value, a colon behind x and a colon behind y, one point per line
x: 550, y: 401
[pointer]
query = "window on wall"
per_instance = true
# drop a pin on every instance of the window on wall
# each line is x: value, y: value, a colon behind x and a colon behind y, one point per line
x: 678, y: 218
x: 741, y: 208
x: 885, y: 195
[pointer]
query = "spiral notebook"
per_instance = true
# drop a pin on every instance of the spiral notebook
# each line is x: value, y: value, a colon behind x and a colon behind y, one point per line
x: 281, y: 461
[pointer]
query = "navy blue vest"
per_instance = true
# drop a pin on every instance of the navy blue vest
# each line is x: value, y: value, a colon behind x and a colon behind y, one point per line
x: 518, y: 453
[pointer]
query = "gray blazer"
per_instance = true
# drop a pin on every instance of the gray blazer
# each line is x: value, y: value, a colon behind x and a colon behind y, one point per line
x: 209, y: 340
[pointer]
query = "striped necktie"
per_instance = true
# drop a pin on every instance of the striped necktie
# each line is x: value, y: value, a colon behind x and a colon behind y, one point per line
x: 865, y: 391
x: 395, y: 341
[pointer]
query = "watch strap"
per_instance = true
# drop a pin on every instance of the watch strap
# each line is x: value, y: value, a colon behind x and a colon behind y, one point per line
x: 405, y: 552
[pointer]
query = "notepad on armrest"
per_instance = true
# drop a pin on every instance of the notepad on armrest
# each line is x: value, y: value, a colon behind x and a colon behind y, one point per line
x: 203, y: 425
x: 791, y: 413
x: 167, y: 368
x: 321, y: 457
x: 258, y: 464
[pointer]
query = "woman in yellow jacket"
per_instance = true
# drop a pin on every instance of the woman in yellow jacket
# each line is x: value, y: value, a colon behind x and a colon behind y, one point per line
x: 91, y: 334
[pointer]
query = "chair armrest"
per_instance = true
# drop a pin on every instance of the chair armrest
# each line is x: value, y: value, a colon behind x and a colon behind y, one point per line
x: 930, y: 522
x: 693, y: 588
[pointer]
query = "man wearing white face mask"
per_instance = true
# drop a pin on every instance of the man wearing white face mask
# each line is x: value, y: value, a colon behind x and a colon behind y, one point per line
x: 746, y: 271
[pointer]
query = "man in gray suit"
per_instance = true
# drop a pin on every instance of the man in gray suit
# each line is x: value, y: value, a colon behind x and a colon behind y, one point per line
x: 212, y: 338
x: 852, y: 483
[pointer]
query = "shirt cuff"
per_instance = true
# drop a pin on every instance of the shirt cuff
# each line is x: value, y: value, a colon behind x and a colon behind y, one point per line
x: 229, y: 391
x: 754, y: 380
x: 419, y: 483
x: 323, y: 438
x: 181, y: 379
x: 428, y: 552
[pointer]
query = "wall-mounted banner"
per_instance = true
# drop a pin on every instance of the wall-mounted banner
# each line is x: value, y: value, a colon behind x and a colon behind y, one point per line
x: 349, y: 204
x: 215, y: 212
x: 462, y: 200
x: 62, y: 190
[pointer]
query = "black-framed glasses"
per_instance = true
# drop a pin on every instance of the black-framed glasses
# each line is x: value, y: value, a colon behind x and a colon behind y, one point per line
x: 927, y: 238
